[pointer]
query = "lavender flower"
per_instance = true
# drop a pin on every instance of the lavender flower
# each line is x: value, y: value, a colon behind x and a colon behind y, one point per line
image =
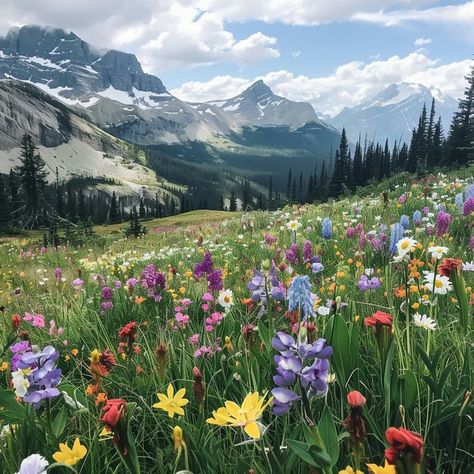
x: 366, y: 284
x: 203, y: 267
x: 300, y: 296
x: 468, y: 206
x: 315, y: 377
x: 261, y: 284
x: 327, y: 228
x: 443, y: 219
x: 153, y: 281
x: 308, y: 252
x: 459, y: 202
x: 405, y: 222
x: 292, y: 254
x: 417, y: 218
x: 282, y: 400
x: 214, y: 279
x: 396, y: 234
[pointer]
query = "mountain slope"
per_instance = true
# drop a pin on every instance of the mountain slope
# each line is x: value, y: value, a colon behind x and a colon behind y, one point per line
x: 393, y: 113
x: 258, y: 105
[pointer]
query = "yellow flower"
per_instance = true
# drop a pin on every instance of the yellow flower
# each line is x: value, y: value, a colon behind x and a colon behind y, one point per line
x: 69, y: 456
x: 228, y: 344
x: 178, y: 438
x: 172, y: 403
x: 349, y: 470
x: 246, y: 415
x: 387, y: 469
x: 4, y: 366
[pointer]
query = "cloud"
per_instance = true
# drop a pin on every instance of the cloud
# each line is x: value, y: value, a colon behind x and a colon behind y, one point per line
x: 422, y: 41
x: 462, y: 15
x: 349, y: 85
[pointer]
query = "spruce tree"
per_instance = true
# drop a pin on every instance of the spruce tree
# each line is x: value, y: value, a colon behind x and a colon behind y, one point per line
x: 113, y: 213
x: 233, y: 202
x: 32, y: 175
x: 336, y: 185
x: 4, y: 206
x: 357, y: 165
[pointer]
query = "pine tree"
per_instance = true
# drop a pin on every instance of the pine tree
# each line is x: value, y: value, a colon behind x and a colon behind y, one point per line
x: 221, y: 202
x: 113, y: 213
x: 288, y: 186
x: 436, y: 154
x: 4, y: 206
x: 59, y: 196
x: 336, y: 185
x: 233, y: 202
x: 460, y: 143
x: 344, y: 156
x: 300, y: 189
x: 135, y: 229
x: 357, y: 165
x: 141, y: 209
x: 71, y: 204
x: 32, y: 174
x: 323, y: 183
x: 81, y: 206
x: 13, y: 187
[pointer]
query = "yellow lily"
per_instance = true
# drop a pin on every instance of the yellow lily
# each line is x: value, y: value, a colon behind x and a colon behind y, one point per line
x: 171, y: 402
x: 386, y: 469
x: 246, y: 416
x: 70, y: 456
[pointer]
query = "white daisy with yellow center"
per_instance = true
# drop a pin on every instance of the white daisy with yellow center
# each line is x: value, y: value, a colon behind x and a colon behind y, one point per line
x: 404, y: 247
x: 438, y: 251
x: 424, y: 321
x: 438, y: 284
x: 226, y: 299
x: 293, y: 225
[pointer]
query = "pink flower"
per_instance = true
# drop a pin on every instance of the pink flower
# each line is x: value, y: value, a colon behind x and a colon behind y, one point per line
x: 194, y: 339
x: 37, y: 320
x: 205, y: 307
x: 207, y: 297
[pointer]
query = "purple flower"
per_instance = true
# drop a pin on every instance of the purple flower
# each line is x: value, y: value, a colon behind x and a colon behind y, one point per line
x: 291, y: 254
x: 317, y: 267
x: 282, y: 400
x: 153, y: 280
x: 315, y: 378
x: 203, y: 267
x: 308, y: 252
x: 284, y: 344
x: 366, y: 284
x: 214, y: 279
x: 107, y: 293
x: 58, y: 273
x: 468, y: 206
x: 261, y: 284
x: 287, y: 369
x: 443, y: 219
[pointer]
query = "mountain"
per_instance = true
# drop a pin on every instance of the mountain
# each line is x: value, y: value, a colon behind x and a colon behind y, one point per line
x: 393, y: 113
x: 67, y: 142
x: 257, y: 133
x: 258, y: 105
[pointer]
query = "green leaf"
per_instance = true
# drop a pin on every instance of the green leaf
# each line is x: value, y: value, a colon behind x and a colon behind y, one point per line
x: 265, y: 335
x: 328, y: 433
x: 409, y: 389
x: 302, y: 450
x: 59, y: 422
x: 12, y: 411
x: 338, y: 337
x: 387, y: 383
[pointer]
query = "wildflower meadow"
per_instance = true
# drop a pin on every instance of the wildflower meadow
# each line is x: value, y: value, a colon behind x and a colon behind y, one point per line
x: 330, y: 338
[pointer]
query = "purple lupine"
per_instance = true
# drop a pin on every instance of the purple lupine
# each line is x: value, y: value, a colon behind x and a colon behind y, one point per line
x: 443, y: 219
x: 287, y: 368
x: 291, y: 254
x: 315, y: 378
x: 204, y: 267
x: 282, y: 400
x: 261, y: 284
x: 153, y: 281
x: 417, y: 218
x: 468, y: 206
x: 308, y: 252
x: 300, y: 296
x: 214, y: 279
x: 18, y: 350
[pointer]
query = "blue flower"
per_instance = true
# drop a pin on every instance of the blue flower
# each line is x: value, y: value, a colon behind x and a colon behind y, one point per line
x: 405, y: 221
x: 300, y: 296
x: 396, y: 234
x: 327, y: 228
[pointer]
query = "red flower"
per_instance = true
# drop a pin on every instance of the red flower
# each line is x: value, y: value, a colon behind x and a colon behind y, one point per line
x: 402, y: 440
x: 16, y: 320
x: 129, y: 331
x: 448, y: 265
x: 112, y: 412
x: 356, y: 399
x: 379, y: 318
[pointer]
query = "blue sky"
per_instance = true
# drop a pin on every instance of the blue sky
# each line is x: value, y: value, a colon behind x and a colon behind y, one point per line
x: 331, y: 53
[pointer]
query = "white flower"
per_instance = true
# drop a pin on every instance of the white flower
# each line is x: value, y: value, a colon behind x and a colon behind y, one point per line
x: 468, y: 266
x: 226, y: 299
x: 423, y: 321
x: 33, y: 464
x: 404, y: 247
x: 293, y: 225
x: 440, y: 283
x: 72, y: 403
x: 20, y: 382
x: 323, y: 310
x: 438, y: 252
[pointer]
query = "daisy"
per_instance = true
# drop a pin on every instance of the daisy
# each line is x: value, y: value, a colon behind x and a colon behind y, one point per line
x: 438, y: 251
x: 293, y: 225
x: 404, y: 247
x: 423, y: 321
x: 438, y: 284
x: 468, y: 266
x: 226, y: 299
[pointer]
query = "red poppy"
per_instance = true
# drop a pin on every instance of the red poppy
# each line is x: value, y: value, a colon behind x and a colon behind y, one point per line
x: 356, y: 399
x: 403, y: 440
x: 379, y: 317
x: 112, y: 412
x: 448, y: 265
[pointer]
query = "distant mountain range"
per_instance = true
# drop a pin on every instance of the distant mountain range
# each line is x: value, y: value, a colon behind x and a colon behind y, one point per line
x: 393, y: 113
x: 257, y: 133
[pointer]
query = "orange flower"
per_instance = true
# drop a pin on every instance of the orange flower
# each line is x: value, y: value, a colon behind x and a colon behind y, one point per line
x: 399, y: 292
x: 101, y: 398
x: 139, y: 299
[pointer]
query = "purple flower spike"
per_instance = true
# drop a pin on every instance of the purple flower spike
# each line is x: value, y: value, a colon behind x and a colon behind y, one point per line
x: 282, y: 400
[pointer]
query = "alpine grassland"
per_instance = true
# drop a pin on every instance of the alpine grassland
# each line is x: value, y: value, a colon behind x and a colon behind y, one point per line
x: 326, y: 338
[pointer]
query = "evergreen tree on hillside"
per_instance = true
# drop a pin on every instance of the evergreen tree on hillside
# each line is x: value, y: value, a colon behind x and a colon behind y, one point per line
x: 460, y: 143
x: 288, y: 186
x: 32, y: 175
x: 4, y: 205
x: 135, y: 229
x: 357, y: 165
x: 71, y: 204
x: 113, y: 212
x: 344, y: 156
x: 336, y: 185
x: 233, y: 202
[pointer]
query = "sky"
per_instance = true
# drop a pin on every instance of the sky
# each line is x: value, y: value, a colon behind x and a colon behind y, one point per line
x: 332, y: 53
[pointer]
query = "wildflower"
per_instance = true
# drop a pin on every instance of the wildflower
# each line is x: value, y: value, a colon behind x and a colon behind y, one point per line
x: 33, y: 464
x: 402, y: 199
x: 37, y: 320
x: 448, y: 266
x: 443, y: 220
x: 308, y: 252
x: 327, y: 228
x: 198, y: 386
x: 423, y: 321
x: 438, y: 252
x: 112, y: 412
x: 386, y: 469
x: 228, y: 344
x: 379, y: 317
x: 417, y: 218
x: 171, y: 402
x: 438, y: 284
x: 178, y: 439
x: 405, y: 222
x: 291, y: 254
x: 70, y: 456
x: 78, y: 284
x: 366, y: 284
x: 355, y: 399
x: 246, y: 416
x: 282, y: 400
x: 161, y: 353
x: 300, y: 296
x: 403, y: 441
x: 404, y: 247
x: 468, y: 206
x: 396, y: 235
x: 226, y: 299
x: 214, y: 280
x: 204, y: 267
x: 317, y: 267
x: 293, y: 225
x: 349, y: 470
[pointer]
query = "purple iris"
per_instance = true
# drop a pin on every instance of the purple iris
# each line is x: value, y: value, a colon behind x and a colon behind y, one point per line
x: 44, y: 375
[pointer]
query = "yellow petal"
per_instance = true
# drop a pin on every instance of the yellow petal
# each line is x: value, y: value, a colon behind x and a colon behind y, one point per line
x: 60, y: 457
x: 170, y: 391
x: 252, y: 430
x: 180, y: 394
